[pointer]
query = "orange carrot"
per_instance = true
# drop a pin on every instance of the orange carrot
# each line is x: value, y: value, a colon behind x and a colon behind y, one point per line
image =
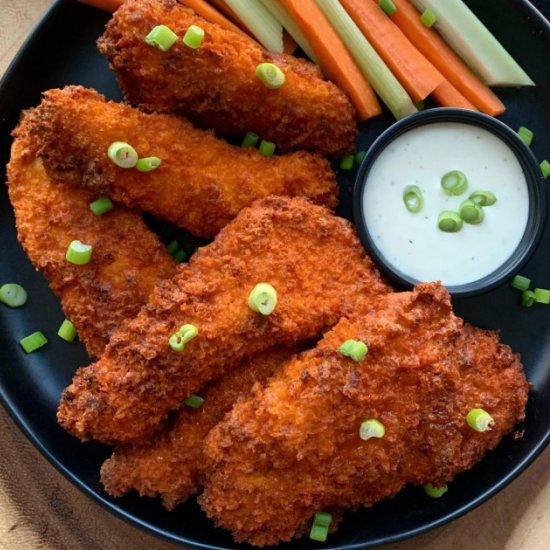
x: 430, y: 43
x: 446, y: 95
x: 105, y: 5
x: 417, y: 75
x: 201, y: 7
x: 334, y: 59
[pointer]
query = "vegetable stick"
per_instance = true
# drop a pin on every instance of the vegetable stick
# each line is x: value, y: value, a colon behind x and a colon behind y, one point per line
x: 105, y: 5
x: 286, y: 20
x: 417, y: 75
x: 224, y: 9
x: 430, y: 43
x: 260, y: 23
x: 472, y: 41
x: 334, y: 59
x: 446, y: 95
x: 371, y: 64
x: 199, y: 6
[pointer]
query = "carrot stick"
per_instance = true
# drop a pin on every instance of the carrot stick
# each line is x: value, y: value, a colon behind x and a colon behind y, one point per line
x: 417, y: 75
x: 334, y: 59
x: 430, y: 43
x: 201, y: 7
x: 446, y: 95
x: 105, y: 5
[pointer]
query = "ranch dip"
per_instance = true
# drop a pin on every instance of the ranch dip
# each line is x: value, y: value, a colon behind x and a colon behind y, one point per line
x: 412, y: 242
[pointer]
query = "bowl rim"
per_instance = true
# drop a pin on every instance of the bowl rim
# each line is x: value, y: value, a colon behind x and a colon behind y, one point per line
x: 535, y: 187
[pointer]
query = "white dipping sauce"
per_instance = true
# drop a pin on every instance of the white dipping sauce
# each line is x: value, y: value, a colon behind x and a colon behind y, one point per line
x: 412, y: 243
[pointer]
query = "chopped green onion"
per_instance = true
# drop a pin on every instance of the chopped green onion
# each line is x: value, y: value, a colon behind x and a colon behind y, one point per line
x: 359, y: 157
x: 263, y: 299
x: 180, y: 255
x: 322, y: 518
x: 450, y: 222
x: 194, y: 401
x: 318, y: 533
x: 270, y: 75
x: 371, y: 428
x: 33, y: 341
x: 527, y: 298
x: 13, y: 295
x: 173, y: 247
x: 79, y: 253
x: 483, y: 198
x: 193, y: 37
x: 161, y: 37
x: 435, y: 492
x: 471, y: 212
x: 454, y: 182
x: 387, y: 6
x: 250, y: 140
x: 122, y: 154
x: 420, y: 105
x: 267, y: 148
x: 545, y: 168
x: 186, y: 333
x: 148, y: 164
x: 542, y: 296
x: 526, y: 135
x: 346, y: 163
x: 519, y: 282
x: 429, y: 18
x: 479, y: 420
x: 67, y: 331
x: 101, y: 206
x: 355, y: 349
x: 412, y: 197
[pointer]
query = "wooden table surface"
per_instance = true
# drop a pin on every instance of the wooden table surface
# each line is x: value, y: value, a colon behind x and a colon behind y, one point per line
x: 39, y: 508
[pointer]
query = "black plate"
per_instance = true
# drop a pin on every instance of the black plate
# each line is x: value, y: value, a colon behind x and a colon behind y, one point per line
x: 62, y: 51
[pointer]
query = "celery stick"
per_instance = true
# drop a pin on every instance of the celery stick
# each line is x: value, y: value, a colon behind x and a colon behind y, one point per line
x: 472, y: 41
x: 281, y: 14
x: 371, y: 65
x: 260, y: 23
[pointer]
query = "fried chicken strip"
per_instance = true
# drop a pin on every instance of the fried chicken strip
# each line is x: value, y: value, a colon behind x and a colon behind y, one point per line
x: 311, y: 257
x: 171, y: 464
x: 215, y: 86
x: 293, y: 447
x: 203, y: 181
x: 128, y: 259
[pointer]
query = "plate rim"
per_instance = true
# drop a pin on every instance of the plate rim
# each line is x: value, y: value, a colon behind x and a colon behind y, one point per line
x: 112, y: 507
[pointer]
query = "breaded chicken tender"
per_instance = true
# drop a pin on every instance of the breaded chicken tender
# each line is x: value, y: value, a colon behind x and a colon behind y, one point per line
x: 312, y: 258
x: 202, y: 183
x: 293, y: 448
x: 128, y: 260
x: 171, y: 464
x: 216, y: 86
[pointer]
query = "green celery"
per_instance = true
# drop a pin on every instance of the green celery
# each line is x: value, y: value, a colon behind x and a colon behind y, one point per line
x: 281, y: 14
x: 472, y: 41
x: 371, y: 65
x: 260, y: 22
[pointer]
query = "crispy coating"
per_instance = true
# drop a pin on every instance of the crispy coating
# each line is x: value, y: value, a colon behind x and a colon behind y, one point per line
x: 215, y: 86
x: 171, y: 464
x: 293, y: 447
x: 128, y: 260
x: 312, y: 258
x: 203, y: 181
